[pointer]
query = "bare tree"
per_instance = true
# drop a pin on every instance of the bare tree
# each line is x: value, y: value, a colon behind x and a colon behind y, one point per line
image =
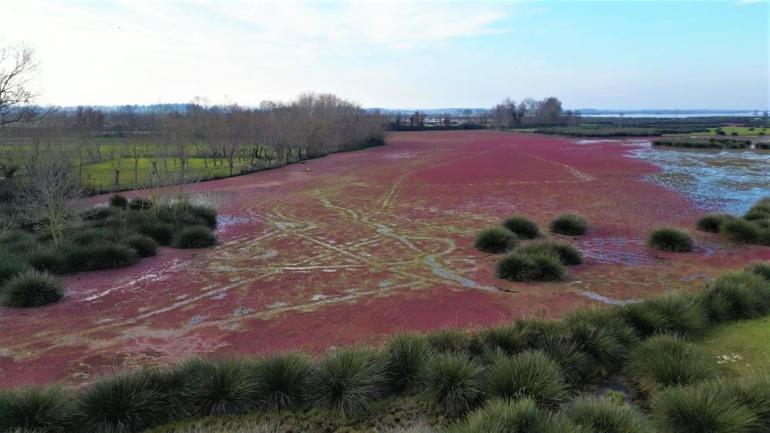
x: 17, y: 68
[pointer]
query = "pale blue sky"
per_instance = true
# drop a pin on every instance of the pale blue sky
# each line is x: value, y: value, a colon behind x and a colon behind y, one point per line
x: 610, y: 54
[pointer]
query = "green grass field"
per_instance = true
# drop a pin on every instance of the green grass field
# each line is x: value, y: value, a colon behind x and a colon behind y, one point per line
x: 741, y: 130
x: 742, y: 347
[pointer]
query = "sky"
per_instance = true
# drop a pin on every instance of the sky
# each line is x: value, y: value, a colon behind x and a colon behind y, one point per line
x: 398, y: 54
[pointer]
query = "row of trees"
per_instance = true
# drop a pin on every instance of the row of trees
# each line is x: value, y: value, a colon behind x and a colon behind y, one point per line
x: 531, y: 112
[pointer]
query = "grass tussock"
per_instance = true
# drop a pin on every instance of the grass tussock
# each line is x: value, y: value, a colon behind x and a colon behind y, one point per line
x: 405, y: 358
x: 741, y: 231
x: 454, y: 383
x: 194, y: 237
x: 514, y: 416
x: 603, y: 415
x: 530, y: 374
x: 671, y: 240
x: 220, y: 388
x: 144, y: 246
x: 280, y: 381
x: 33, y: 410
x: 568, y: 255
x: 762, y: 269
x: 495, y: 240
x: 679, y: 314
x: 522, y: 227
x: 713, y: 222
x: 31, y: 288
x: 739, y: 295
x: 524, y: 266
x: 663, y: 361
x: 569, y: 225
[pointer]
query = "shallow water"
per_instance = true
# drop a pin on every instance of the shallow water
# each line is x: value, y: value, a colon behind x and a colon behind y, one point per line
x: 723, y: 180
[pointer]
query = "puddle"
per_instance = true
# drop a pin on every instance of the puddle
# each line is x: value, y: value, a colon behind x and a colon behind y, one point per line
x: 729, y: 181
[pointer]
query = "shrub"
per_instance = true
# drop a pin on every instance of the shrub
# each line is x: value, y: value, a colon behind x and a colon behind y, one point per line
x: 761, y: 269
x: 449, y: 341
x: 712, y: 223
x: 570, y: 225
x: 530, y: 374
x: 678, y: 314
x: 348, y: 381
x: 98, y: 256
x: 31, y: 288
x: 670, y: 239
x: 118, y: 201
x: 530, y: 267
x: 567, y: 254
x: 740, y: 231
x: 495, y: 240
x: 522, y: 227
x: 281, y: 381
x: 219, y: 388
x: 44, y: 410
x: 664, y: 361
x: 194, y: 237
x: 144, y: 246
x: 161, y: 232
x: 139, y: 203
x: 697, y: 409
x: 47, y: 260
x: 603, y: 335
x: 454, y: 383
x: 10, y: 266
x: 602, y: 415
x: 125, y: 403
x: 738, y: 295
x: 520, y: 416
x: 405, y: 357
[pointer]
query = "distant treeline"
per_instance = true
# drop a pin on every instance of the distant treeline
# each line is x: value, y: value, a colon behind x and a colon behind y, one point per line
x: 711, y: 143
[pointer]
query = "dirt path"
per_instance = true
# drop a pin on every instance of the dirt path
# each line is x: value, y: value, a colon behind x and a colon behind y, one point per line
x: 355, y: 246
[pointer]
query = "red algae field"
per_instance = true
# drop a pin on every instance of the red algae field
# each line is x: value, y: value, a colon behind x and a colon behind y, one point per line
x: 356, y: 246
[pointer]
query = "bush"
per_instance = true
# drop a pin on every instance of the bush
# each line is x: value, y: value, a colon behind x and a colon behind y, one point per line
x: 98, y: 256
x: 144, y: 246
x: 405, y: 357
x: 740, y: 231
x: 664, y: 361
x: 520, y: 416
x: 761, y: 269
x: 281, y: 381
x: 530, y: 374
x: 570, y: 225
x: 712, y: 223
x: 454, y: 383
x: 219, y: 388
x: 697, y: 409
x: 679, y: 314
x: 161, y: 232
x: 530, y: 267
x: 31, y: 288
x: 125, y: 403
x: 602, y: 415
x: 194, y: 237
x: 118, y: 201
x: 10, y: 266
x: 567, y: 254
x: 739, y: 295
x: 47, y: 260
x: 522, y: 227
x: 348, y: 381
x: 670, y: 239
x: 495, y: 240
x: 44, y: 410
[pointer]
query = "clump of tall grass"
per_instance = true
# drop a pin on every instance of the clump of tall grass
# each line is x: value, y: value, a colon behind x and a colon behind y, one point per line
x: 348, y: 381
x: 671, y: 239
x: 119, y: 201
x: 678, y: 313
x: 99, y: 255
x: 524, y: 266
x: 570, y: 225
x: 603, y: 335
x: 568, y: 255
x: 144, y: 246
x: 522, y: 227
x: 30, y: 410
x: 664, y: 361
x: 280, y: 381
x: 514, y: 416
x: 529, y: 374
x: 603, y: 415
x: 449, y: 341
x: 194, y: 237
x: 712, y: 223
x: 762, y: 269
x: 495, y: 240
x: 10, y: 265
x: 506, y: 339
x: 218, y: 388
x: 454, y: 383
x: 405, y: 358
x: 31, y: 288
x: 738, y: 295
x: 740, y: 231
x: 48, y: 260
